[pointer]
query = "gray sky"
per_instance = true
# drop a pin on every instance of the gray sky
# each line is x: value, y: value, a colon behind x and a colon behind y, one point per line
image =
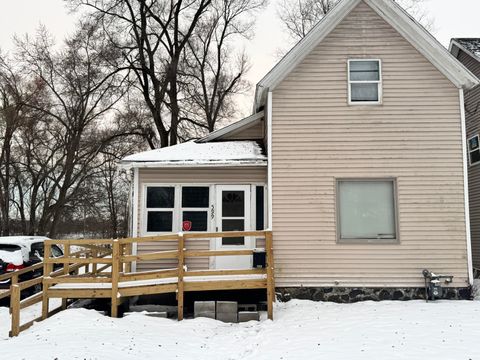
x: 457, y: 18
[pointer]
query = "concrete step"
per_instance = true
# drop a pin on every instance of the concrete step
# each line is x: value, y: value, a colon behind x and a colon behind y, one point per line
x: 204, y: 309
x: 245, y: 316
x: 227, y: 311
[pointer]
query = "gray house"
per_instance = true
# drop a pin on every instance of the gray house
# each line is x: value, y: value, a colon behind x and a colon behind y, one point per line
x: 354, y: 155
x: 467, y: 51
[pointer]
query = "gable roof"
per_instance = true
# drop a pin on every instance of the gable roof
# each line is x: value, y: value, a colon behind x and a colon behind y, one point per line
x: 393, y: 14
x: 233, y: 128
x: 193, y: 154
x: 471, y: 46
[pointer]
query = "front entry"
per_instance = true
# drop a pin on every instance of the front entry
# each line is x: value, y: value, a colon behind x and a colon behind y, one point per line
x: 233, y: 214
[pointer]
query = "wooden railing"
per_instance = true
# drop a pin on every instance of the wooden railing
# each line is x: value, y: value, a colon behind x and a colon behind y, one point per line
x: 113, y: 284
x: 17, y: 286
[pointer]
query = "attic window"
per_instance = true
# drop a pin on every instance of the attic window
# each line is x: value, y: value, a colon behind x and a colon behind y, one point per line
x: 364, y: 82
x: 474, y: 150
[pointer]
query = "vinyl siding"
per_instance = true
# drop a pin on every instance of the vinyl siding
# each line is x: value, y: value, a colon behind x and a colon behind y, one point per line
x: 472, y: 114
x: 197, y: 176
x: 414, y: 136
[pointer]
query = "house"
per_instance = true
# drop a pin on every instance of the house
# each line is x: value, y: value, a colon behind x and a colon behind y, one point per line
x: 354, y: 155
x: 467, y: 51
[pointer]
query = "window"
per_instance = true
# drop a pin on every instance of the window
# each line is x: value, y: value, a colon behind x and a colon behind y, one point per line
x: 366, y: 210
x: 260, y: 208
x: 160, y: 208
x: 364, y: 82
x: 165, y: 214
x: 474, y: 150
x: 37, y: 248
x: 195, y: 205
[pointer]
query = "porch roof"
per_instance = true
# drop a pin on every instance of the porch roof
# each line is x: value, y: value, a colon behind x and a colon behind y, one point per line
x: 193, y: 154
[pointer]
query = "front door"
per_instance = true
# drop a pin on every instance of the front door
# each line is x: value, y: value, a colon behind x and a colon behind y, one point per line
x: 233, y: 214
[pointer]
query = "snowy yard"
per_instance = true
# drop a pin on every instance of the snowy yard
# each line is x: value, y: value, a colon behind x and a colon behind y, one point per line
x: 302, y: 330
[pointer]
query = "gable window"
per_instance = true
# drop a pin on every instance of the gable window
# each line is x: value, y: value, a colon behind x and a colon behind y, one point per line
x: 474, y: 150
x: 364, y: 82
x: 366, y: 210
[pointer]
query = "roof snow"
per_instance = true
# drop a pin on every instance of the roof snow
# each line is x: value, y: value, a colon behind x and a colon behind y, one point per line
x: 194, y: 154
x: 472, y: 45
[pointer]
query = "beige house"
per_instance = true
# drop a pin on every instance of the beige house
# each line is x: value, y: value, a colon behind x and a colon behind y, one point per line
x: 467, y: 51
x: 355, y: 156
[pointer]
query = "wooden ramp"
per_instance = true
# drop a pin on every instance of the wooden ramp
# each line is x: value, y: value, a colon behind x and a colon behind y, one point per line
x: 108, y: 273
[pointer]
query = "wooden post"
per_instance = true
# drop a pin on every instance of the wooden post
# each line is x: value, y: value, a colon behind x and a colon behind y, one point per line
x: 270, y: 273
x: 115, y: 276
x: 129, y: 250
x: 181, y: 271
x: 66, y: 268
x: 47, y: 270
x: 15, y: 309
x: 94, y: 266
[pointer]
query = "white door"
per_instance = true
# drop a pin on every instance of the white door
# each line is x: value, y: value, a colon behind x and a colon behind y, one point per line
x: 233, y: 214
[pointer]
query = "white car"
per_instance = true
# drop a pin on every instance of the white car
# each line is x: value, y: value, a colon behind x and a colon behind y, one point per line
x: 19, y: 252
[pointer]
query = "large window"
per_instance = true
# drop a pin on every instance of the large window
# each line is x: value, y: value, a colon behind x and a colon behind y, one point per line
x: 366, y: 210
x: 364, y: 82
x: 162, y: 208
x: 474, y: 150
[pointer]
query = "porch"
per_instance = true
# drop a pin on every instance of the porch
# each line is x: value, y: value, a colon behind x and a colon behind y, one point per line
x: 108, y: 272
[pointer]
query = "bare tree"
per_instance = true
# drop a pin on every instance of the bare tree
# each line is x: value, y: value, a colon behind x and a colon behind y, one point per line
x: 300, y: 16
x: 10, y: 122
x: 214, y: 71
x: 152, y: 36
x: 82, y: 93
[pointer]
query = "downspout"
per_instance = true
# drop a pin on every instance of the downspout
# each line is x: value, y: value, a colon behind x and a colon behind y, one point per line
x: 465, y: 188
x: 270, y: 150
x: 135, y: 215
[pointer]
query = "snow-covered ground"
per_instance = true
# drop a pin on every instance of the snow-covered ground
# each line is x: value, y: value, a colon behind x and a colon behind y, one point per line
x: 302, y: 330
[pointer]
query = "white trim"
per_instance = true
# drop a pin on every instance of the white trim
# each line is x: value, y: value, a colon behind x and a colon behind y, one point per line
x: 465, y: 188
x: 270, y: 150
x: 236, y: 126
x: 174, y: 165
x: 135, y: 206
x: 378, y: 82
x: 393, y: 14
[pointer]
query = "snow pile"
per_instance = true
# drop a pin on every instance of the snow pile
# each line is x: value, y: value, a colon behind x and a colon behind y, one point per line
x: 302, y: 330
x: 202, y: 153
x: 14, y: 257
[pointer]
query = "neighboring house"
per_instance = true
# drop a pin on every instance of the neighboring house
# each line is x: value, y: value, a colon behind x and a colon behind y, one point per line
x: 467, y: 51
x: 354, y: 156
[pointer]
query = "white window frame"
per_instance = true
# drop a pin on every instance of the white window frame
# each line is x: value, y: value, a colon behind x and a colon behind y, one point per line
x: 207, y: 209
x: 147, y: 209
x: 380, y: 241
x: 378, y: 82
x: 471, y: 151
x: 177, y: 221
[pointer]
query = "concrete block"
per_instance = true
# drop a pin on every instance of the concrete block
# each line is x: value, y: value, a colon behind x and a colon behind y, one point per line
x: 227, y: 317
x: 244, y: 316
x: 262, y: 306
x: 158, y: 314
x: 247, y: 307
x: 227, y: 307
x: 204, y: 309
